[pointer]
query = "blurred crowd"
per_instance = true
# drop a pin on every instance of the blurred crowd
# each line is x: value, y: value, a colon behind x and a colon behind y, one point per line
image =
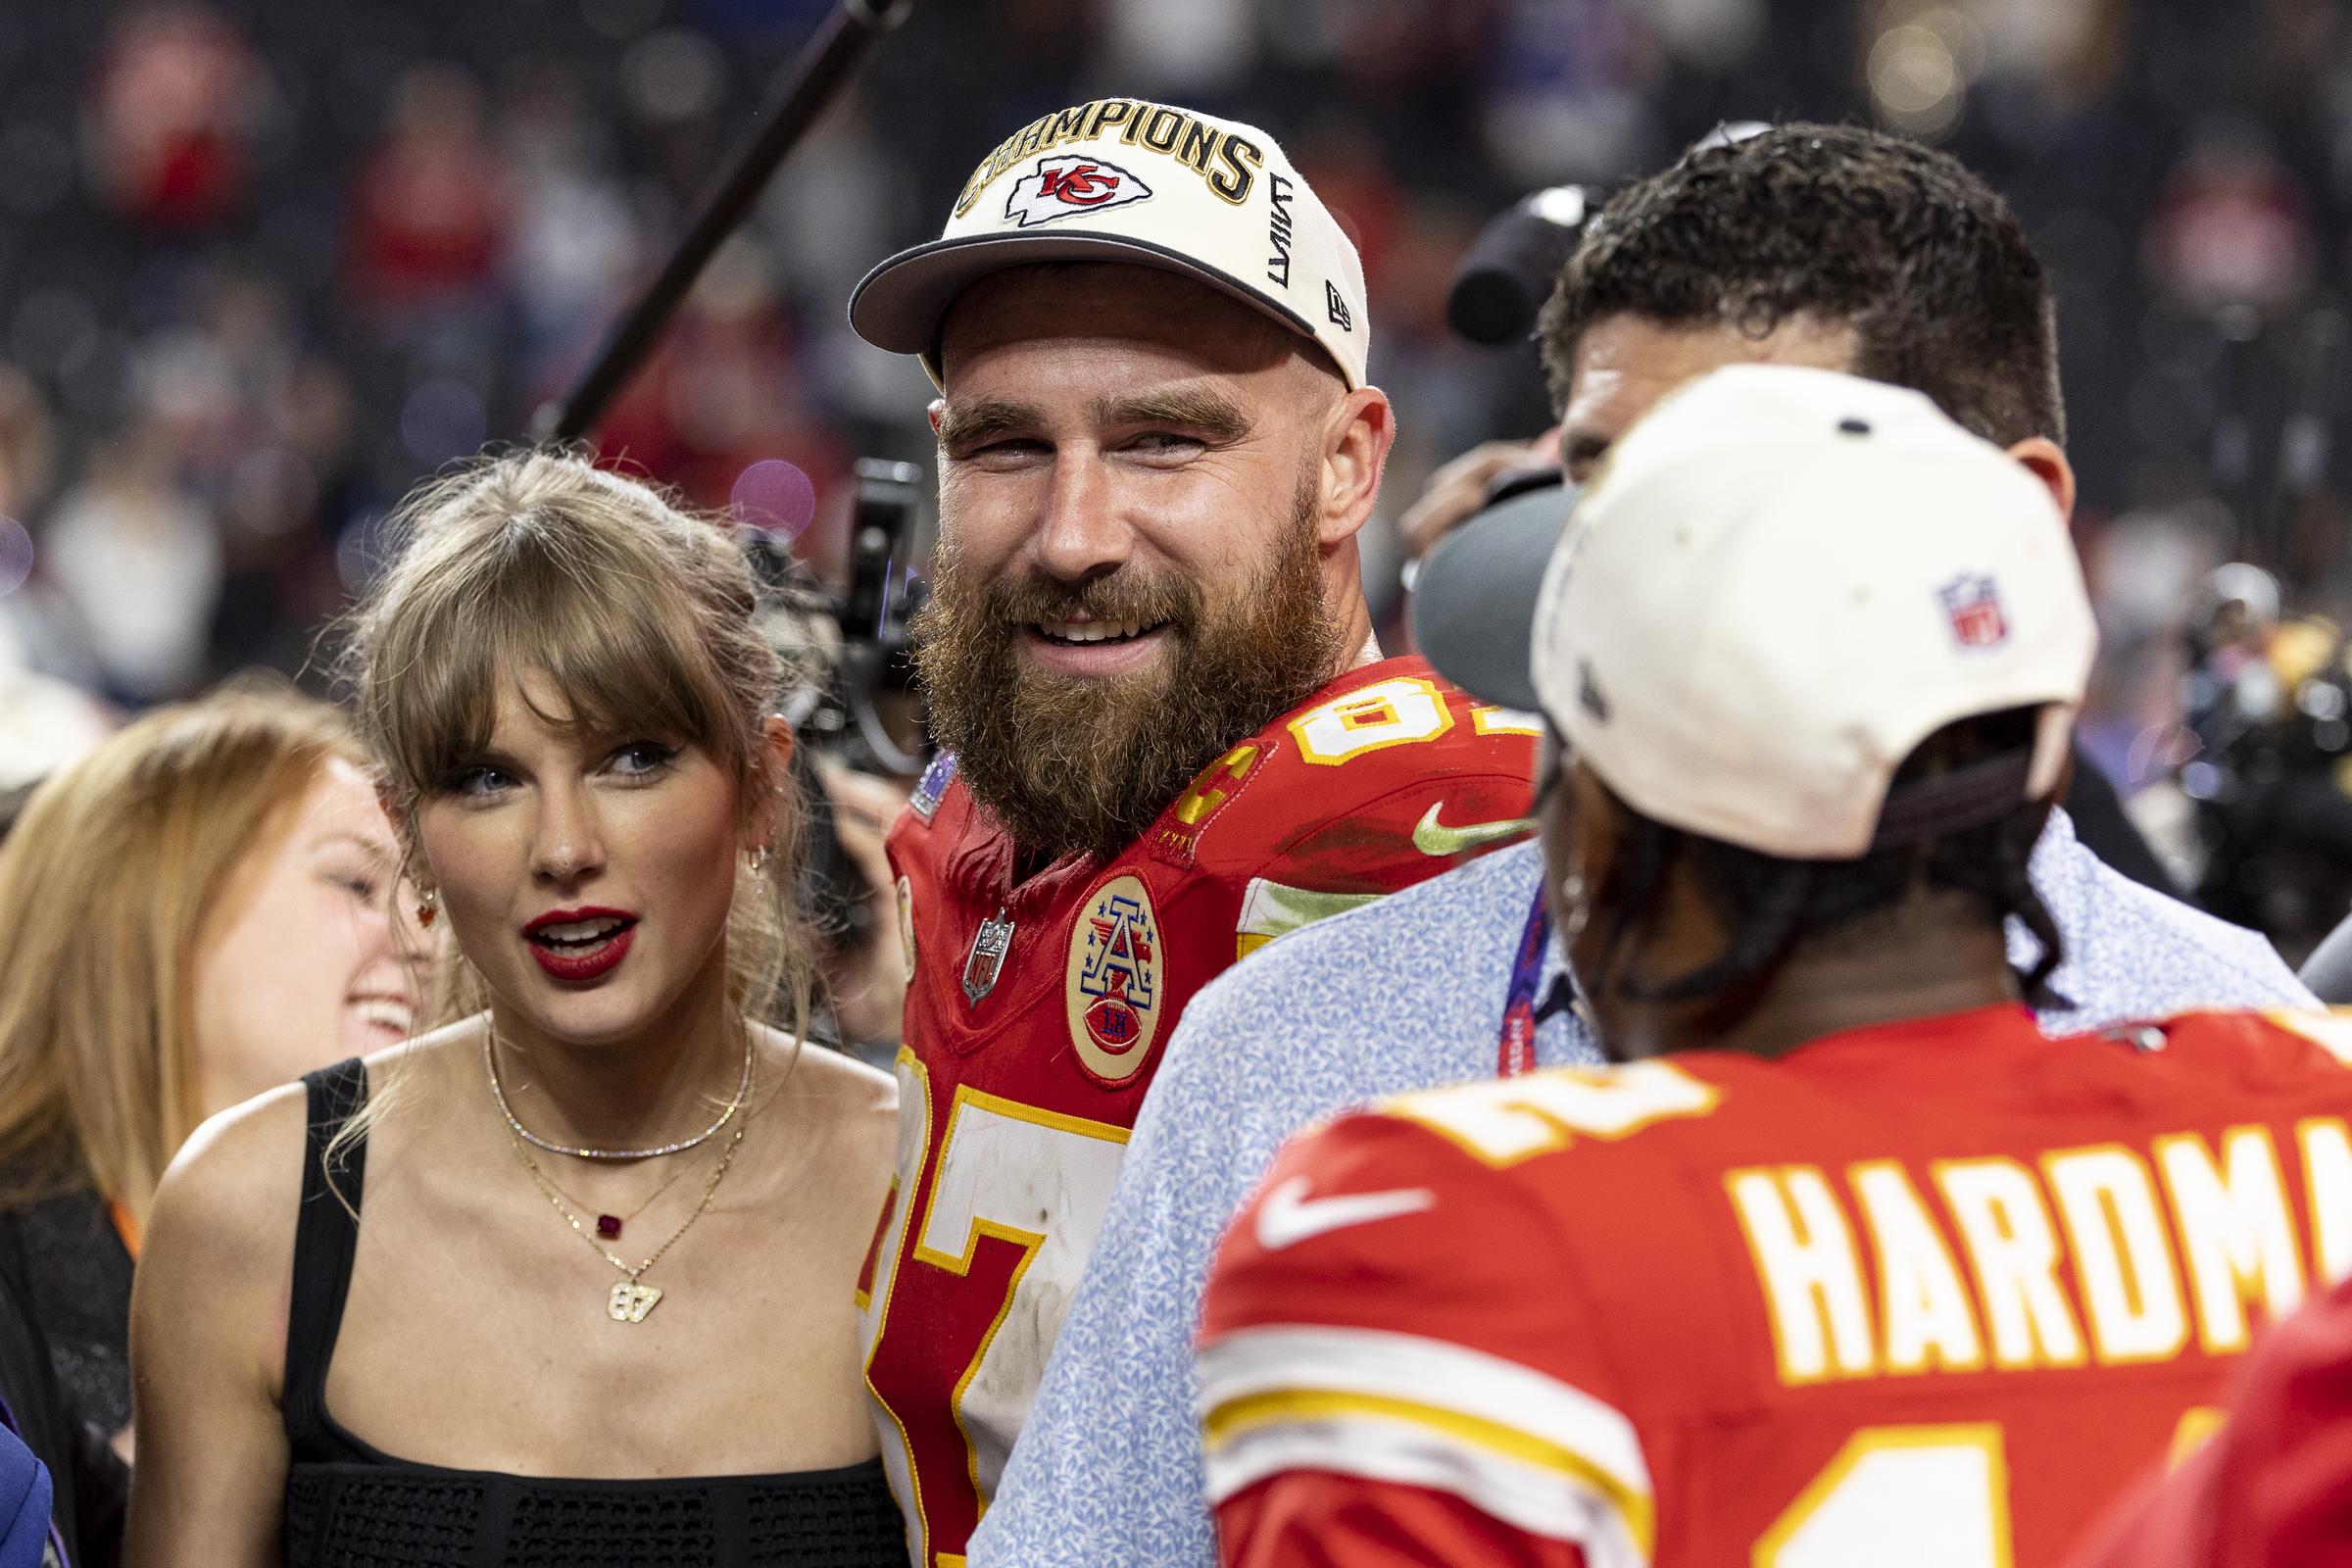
x: 264, y: 264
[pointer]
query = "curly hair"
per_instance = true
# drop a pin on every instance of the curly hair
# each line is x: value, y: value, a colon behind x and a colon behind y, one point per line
x: 1918, y: 255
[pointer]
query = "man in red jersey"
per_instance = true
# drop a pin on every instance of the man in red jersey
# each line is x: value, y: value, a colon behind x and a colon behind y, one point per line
x: 1170, y: 736
x: 1843, y: 1263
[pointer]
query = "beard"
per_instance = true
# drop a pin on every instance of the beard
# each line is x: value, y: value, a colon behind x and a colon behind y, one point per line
x: 1071, y: 764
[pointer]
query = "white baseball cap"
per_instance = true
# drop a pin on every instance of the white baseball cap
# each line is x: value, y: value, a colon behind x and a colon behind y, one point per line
x: 1120, y: 179
x: 1778, y: 585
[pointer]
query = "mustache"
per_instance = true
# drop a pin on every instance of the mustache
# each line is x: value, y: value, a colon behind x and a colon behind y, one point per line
x: 1120, y: 596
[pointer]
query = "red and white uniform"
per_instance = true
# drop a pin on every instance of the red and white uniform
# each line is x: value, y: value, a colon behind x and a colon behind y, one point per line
x: 1037, y: 1014
x: 1929, y: 1294
x: 2273, y: 1486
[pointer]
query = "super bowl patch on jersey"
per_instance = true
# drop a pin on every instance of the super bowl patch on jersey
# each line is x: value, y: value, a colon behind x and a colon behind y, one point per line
x: 1112, y: 986
x: 932, y: 786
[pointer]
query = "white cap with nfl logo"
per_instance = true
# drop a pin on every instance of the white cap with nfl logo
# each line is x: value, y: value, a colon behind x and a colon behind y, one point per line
x: 1781, y: 582
x: 1123, y: 181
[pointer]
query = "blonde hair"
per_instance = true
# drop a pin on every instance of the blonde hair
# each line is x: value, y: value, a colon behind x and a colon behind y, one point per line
x: 639, y: 617
x: 111, y: 887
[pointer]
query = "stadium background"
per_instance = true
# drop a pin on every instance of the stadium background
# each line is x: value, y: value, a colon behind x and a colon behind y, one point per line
x: 264, y: 264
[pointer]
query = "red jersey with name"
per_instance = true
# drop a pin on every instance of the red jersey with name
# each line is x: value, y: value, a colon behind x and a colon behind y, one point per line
x: 1930, y: 1293
x: 1036, y: 1015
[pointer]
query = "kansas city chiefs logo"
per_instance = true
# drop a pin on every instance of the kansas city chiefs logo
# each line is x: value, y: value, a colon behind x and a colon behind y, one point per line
x: 1066, y: 184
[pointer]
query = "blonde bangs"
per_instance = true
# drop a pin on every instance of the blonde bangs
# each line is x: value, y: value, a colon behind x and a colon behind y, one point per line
x: 546, y: 587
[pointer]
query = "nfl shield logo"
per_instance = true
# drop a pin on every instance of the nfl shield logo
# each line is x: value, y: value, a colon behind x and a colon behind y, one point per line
x: 987, y: 959
x: 1974, y: 607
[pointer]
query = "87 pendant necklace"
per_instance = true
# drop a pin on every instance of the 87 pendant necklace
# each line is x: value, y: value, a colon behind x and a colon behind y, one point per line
x: 629, y: 1300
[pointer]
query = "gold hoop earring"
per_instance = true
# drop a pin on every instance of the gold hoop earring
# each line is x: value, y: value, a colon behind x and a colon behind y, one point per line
x: 428, y: 907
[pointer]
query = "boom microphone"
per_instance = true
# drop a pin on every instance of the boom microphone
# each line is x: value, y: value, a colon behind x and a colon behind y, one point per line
x: 825, y: 67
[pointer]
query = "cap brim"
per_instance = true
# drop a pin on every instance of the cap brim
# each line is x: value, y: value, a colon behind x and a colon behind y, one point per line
x: 1474, y: 602
x: 899, y: 305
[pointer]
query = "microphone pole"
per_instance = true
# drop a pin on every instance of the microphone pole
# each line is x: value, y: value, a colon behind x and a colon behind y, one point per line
x: 825, y: 67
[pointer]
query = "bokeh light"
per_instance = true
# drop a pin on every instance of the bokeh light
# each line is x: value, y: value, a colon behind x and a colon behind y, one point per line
x: 775, y: 497
x: 15, y: 556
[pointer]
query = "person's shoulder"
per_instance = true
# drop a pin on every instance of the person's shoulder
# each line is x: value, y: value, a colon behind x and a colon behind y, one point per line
x: 938, y: 792
x: 1385, y: 1275
x: 1380, y: 1220
x: 1385, y: 777
x: 2134, y: 953
x: 235, y: 1185
x: 1397, y: 994
x: 2276, y: 1047
x: 1531, y: 1122
x: 1394, y: 940
x: 858, y: 1101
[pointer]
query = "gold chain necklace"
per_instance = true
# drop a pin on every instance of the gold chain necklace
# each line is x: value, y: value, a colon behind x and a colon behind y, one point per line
x: 630, y: 1302
x: 608, y: 1225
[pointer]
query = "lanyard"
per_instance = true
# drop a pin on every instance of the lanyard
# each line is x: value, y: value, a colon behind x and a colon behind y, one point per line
x: 1515, y: 1047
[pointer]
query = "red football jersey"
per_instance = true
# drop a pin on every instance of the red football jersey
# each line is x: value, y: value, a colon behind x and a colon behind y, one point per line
x: 1928, y: 1294
x: 1035, y: 1014
x: 2273, y: 1486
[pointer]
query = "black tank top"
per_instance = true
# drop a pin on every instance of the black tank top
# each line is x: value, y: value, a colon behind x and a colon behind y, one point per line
x: 350, y: 1506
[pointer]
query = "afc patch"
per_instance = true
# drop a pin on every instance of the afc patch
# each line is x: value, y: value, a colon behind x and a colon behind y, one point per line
x: 1112, y: 986
x: 1066, y: 184
x: 928, y: 790
x: 1973, y: 604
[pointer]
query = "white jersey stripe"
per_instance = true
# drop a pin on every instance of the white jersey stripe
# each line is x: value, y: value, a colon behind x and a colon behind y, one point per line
x: 1472, y: 1384
x: 1553, y: 1503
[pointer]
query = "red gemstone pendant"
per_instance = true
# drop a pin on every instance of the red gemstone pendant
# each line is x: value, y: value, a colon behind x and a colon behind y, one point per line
x: 608, y: 1226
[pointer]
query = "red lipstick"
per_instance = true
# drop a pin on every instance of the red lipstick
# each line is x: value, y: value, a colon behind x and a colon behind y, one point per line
x: 581, y: 961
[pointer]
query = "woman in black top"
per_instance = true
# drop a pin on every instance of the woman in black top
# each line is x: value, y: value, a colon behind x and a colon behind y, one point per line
x: 198, y: 911
x: 571, y: 1279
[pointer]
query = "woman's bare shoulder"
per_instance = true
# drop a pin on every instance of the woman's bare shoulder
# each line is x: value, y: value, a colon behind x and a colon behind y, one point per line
x: 231, y: 1193
x: 853, y: 1103
x: 240, y: 1175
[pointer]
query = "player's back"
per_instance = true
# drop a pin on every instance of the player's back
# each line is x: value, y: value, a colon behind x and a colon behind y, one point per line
x: 1928, y: 1294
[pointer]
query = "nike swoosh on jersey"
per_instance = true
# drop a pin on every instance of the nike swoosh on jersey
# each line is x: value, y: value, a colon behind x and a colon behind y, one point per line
x: 1432, y: 837
x: 1289, y: 1216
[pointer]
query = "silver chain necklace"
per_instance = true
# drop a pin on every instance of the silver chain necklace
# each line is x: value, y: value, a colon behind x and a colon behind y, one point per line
x: 498, y: 1092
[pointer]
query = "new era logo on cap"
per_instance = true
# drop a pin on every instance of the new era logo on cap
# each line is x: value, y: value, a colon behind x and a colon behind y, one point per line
x: 1067, y: 184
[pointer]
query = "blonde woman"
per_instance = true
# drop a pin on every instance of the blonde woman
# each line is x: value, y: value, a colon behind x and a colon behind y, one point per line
x: 569, y: 1278
x: 197, y: 911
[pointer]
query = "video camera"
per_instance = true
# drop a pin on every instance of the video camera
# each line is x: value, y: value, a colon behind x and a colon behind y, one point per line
x: 850, y: 690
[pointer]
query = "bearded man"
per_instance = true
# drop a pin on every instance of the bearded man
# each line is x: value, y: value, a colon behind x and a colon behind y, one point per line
x: 1171, y: 735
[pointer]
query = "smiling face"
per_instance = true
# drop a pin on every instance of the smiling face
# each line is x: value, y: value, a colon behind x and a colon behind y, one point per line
x: 1145, y: 494
x: 313, y: 960
x: 587, y: 876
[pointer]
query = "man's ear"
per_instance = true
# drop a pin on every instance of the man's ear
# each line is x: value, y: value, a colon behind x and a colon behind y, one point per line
x: 1355, y: 450
x: 938, y: 408
x: 2046, y: 461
